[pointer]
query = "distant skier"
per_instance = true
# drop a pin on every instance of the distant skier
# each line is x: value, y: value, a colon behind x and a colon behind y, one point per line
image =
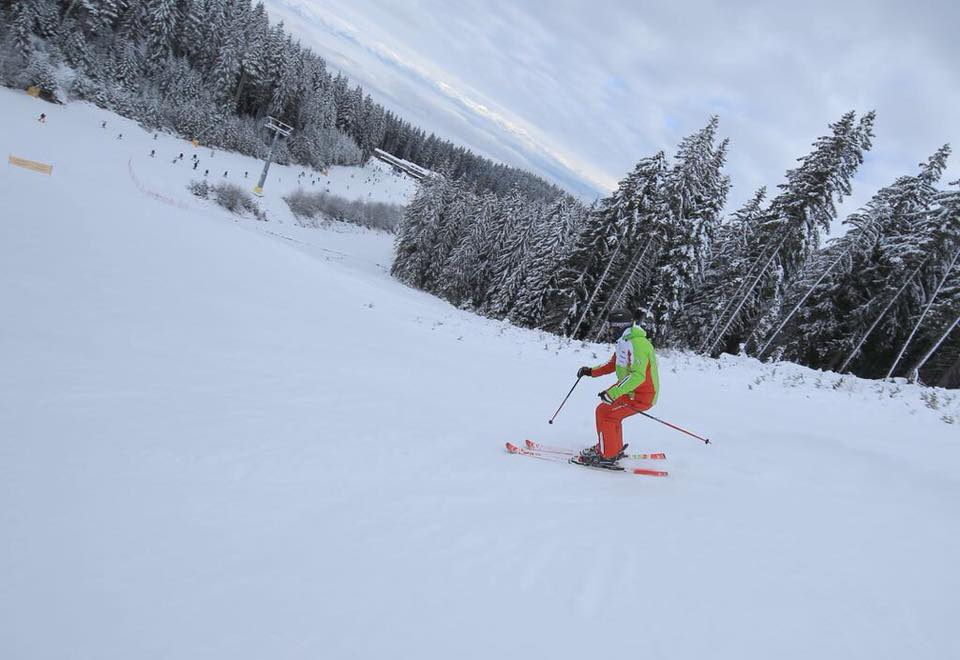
x: 195, y: 163
x: 120, y: 136
x: 225, y: 173
x: 43, y: 118
x: 636, y: 388
x: 103, y: 125
x: 153, y: 153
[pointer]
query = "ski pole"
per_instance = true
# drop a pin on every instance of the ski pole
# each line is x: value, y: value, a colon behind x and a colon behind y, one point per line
x: 564, y: 400
x: 705, y: 441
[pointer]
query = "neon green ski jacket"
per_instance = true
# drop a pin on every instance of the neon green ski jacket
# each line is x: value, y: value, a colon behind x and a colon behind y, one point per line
x: 636, y: 365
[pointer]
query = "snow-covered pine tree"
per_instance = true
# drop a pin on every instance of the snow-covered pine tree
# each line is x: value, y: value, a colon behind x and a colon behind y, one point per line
x: 794, y: 223
x: 821, y: 324
x: 554, y: 234
x: 936, y: 344
x: 462, y: 284
x: 633, y: 274
x: 23, y: 20
x: 518, y: 218
x: 413, y: 242
x: 252, y: 64
x: 225, y: 73
x: 108, y: 12
x: 448, y: 230
x: 693, y: 194
x: 517, y: 258
x: 891, y: 286
x: 282, y: 71
x: 602, y: 254
x: 733, y: 261
x: 162, y: 17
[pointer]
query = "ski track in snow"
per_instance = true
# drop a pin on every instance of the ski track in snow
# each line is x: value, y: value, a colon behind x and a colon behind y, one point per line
x: 221, y: 438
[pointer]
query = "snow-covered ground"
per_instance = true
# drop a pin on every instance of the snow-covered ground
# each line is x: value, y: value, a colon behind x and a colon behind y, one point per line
x: 231, y: 439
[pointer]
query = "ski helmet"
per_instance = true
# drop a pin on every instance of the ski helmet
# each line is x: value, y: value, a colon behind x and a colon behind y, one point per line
x: 620, y: 318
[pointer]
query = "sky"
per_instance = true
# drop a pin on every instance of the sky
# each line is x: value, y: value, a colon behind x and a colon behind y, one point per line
x: 579, y: 91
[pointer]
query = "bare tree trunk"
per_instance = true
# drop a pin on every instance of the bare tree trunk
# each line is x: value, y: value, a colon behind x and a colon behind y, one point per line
x: 926, y: 309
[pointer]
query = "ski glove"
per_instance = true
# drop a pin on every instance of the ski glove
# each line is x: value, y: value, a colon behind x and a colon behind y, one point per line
x: 585, y: 371
x: 605, y: 397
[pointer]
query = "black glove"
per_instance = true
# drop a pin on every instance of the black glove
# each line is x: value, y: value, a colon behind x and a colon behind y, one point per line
x: 605, y: 397
x: 584, y: 371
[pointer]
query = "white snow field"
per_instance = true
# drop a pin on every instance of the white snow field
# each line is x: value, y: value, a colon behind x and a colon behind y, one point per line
x: 226, y: 439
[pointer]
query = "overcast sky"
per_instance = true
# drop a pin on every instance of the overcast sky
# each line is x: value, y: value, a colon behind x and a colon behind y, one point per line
x: 578, y: 91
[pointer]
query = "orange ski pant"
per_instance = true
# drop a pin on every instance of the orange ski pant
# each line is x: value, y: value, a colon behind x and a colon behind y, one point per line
x: 611, y: 415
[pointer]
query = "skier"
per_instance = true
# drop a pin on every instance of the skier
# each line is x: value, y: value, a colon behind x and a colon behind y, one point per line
x: 636, y: 389
x: 43, y: 118
x: 153, y: 153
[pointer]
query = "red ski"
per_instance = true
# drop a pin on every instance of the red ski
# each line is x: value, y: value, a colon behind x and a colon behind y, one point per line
x: 562, y: 458
x: 536, y: 446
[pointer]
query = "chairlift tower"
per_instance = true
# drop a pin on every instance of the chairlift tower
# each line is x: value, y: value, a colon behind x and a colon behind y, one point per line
x: 278, y: 128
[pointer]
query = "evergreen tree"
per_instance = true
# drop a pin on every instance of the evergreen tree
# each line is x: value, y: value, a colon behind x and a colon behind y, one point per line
x: 598, y: 262
x: 508, y: 242
x: 447, y: 231
x: 108, y: 12
x: 822, y: 325
x: 162, y: 16
x: 23, y: 19
x: 693, y: 194
x: 732, y: 264
x: 794, y: 223
x: 553, y: 238
x: 460, y: 272
x: 889, y: 287
x: 414, y: 240
x: 514, y: 260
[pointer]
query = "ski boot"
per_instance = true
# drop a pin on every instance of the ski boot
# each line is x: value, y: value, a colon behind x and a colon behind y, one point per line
x: 588, y: 455
x: 592, y: 457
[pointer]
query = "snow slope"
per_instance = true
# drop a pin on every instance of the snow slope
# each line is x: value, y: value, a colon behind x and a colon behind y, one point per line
x: 224, y: 439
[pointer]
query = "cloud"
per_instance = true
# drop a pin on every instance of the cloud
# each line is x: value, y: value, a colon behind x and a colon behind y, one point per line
x: 579, y: 91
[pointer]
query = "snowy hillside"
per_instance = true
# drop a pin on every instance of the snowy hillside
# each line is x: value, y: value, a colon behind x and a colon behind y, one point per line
x: 224, y: 439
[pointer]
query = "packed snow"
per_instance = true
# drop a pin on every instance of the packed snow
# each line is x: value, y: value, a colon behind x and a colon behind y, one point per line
x: 223, y: 438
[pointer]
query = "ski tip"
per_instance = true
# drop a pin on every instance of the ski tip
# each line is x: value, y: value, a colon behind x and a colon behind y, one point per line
x: 530, y: 444
x: 512, y: 448
x: 650, y: 473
